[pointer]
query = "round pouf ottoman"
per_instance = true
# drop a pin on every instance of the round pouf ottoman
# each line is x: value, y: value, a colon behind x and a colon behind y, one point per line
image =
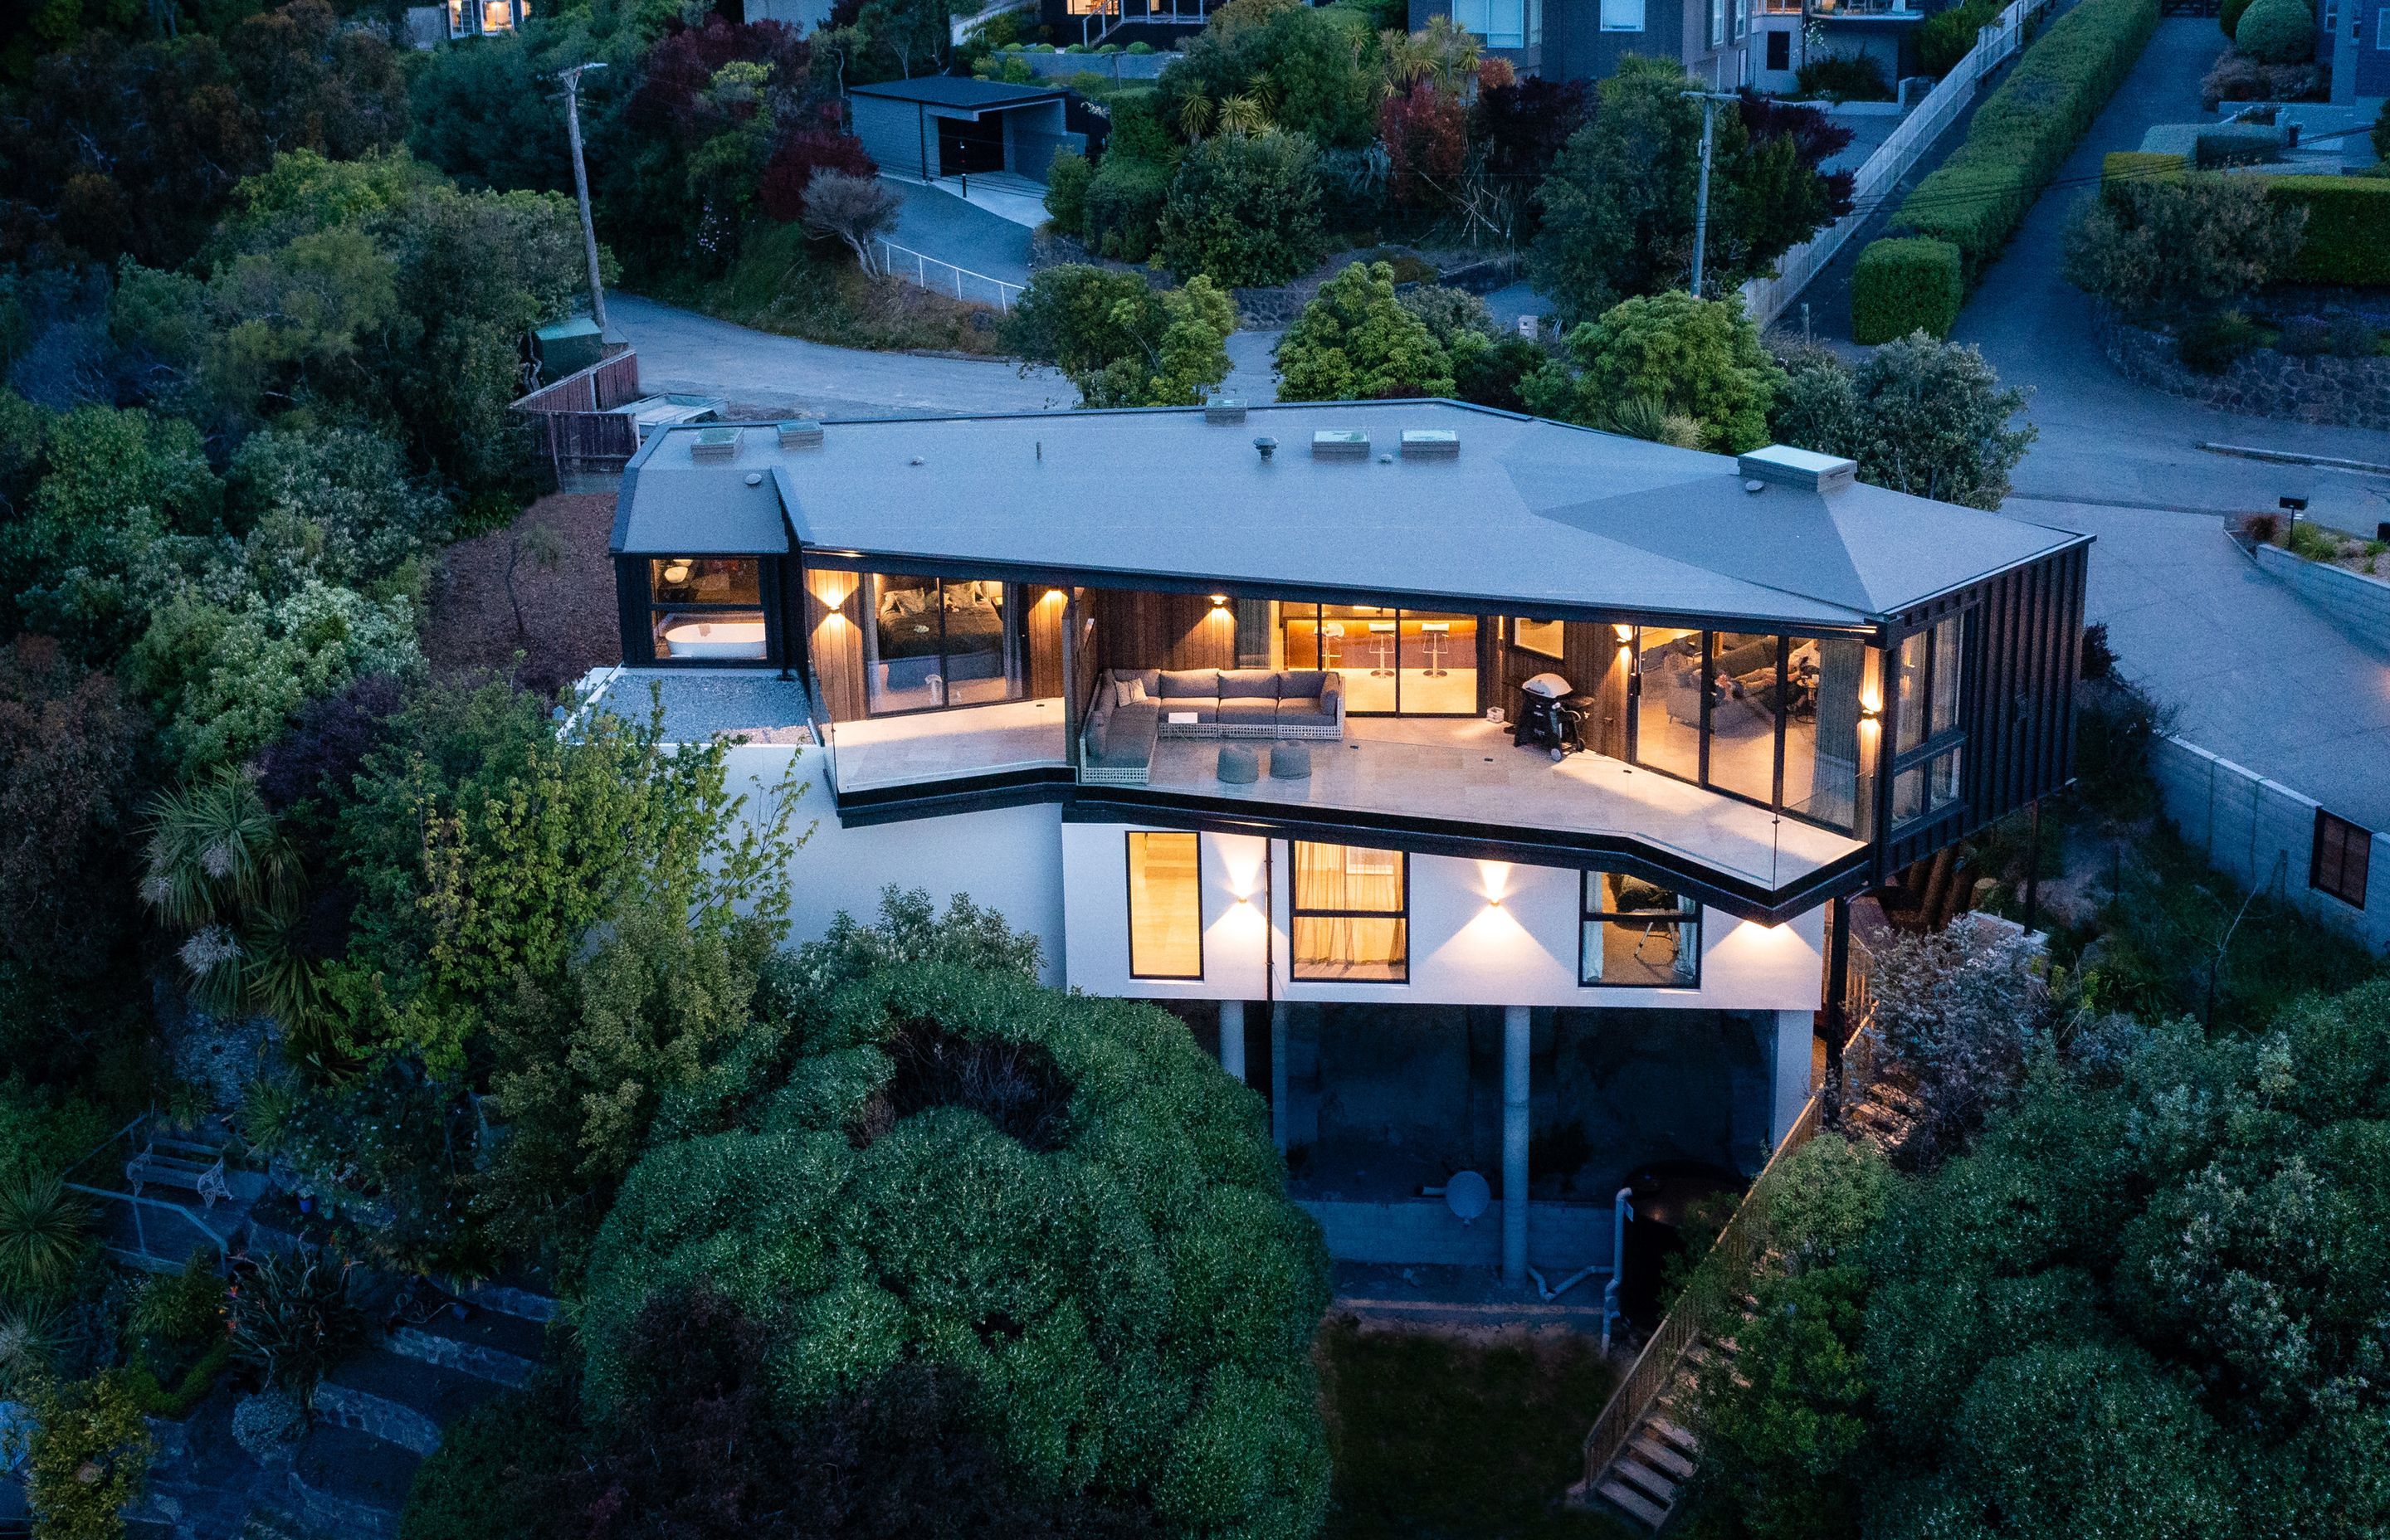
x: 1291, y: 762
x: 1239, y: 765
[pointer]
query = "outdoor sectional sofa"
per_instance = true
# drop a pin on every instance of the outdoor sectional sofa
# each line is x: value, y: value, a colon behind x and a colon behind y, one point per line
x: 1235, y: 703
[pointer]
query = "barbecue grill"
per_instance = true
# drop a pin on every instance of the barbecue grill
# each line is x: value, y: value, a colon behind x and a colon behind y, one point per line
x: 1551, y: 716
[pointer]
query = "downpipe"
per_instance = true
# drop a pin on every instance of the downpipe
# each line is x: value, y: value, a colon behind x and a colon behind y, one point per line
x: 1622, y: 1209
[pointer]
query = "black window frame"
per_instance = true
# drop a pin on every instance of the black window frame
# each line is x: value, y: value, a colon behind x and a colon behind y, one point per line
x: 1932, y: 746
x: 1589, y: 884
x: 1129, y: 883
x: 2331, y: 871
x: 767, y: 600
x: 1295, y: 910
x: 1701, y: 778
x: 1016, y: 638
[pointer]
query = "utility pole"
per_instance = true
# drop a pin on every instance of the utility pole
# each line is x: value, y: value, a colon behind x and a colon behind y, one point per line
x: 571, y: 79
x: 1709, y: 100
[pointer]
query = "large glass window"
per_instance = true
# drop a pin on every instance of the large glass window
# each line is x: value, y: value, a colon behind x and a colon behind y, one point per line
x: 1821, y: 729
x: 1636, y: 935
x: 1622, y: 16
x: 1927, y: 674
x: 706, y: 608
x: 1502, y: 23
x: 939, y: 641
x: 1351, y: 913
x: 1166, y: 905
x: 1668, y: 705
x: 1746, y: 700
x: 1395, y: 662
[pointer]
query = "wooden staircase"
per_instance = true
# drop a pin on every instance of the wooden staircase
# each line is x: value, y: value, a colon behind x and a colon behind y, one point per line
x: 1642, y: 1483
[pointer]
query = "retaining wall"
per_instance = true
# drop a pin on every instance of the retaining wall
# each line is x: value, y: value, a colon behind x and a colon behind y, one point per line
x: 2357, y: 604
x: 2262, y: 834
x: 2348, y: 392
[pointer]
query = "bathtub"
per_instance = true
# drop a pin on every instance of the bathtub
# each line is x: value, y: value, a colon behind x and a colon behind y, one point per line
x: 696, y: 637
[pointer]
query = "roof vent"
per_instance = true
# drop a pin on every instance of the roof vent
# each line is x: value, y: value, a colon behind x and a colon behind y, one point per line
x: 1798, y: 467
x: 714, y: 443
x: 1430, y: 443
x: 801, y: 433
x: 1341, y: 444
x: 1225, y: 409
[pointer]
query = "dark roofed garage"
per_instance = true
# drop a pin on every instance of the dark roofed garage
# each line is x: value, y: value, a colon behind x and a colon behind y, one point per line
x: 942, y: 125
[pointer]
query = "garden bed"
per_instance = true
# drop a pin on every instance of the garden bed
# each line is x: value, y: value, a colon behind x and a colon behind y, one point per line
x: 568, y: 611
x: 2263, y: 381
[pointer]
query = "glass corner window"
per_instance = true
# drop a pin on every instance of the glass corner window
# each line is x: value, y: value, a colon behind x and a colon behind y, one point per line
x: 1636, y: 935
x: 706, y: 608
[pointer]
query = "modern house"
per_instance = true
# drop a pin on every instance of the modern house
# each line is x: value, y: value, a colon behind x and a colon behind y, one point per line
x: 938, y: 126
x: 1233, y: 709
x: 1712, y: 39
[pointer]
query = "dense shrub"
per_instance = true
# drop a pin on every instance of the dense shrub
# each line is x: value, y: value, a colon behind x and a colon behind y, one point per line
x: 1124, y: 208
x: 2139, y: 165
x: 1122, y: 342
x: 1055, y: 1198
x: 1844, y: 77
x: 2026, y: 128
x: 797, y: 158
x: 1244, y: 209
x: 1925, y: 417
x: 2175, y: 243
x: 2347, y: 240
x: 1697, y: 360
x: 1067, y: 177
x: 1356, y: 341
x: 1947, y: 36
x: 2237, y: 77
x: 1904, y: 284
x: 2210, y: 344
x: 2277, y: 31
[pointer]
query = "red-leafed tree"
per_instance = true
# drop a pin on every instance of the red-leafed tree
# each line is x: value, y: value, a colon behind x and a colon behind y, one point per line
x: 1426, y: 135
x: 802, y: 153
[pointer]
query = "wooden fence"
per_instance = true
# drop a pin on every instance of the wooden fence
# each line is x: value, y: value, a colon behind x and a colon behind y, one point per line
x: 579, y: 432
x: 1710, y: 1296
x: 1874, y: 184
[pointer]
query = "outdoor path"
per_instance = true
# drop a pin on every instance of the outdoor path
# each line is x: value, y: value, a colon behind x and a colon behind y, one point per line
x: 2254, y: 675
x: 940, y: 225
x: 682, y: 351
x: 2103, y: 438
x: 1253, y: 375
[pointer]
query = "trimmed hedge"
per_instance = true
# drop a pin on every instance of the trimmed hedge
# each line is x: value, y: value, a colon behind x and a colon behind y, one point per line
x: 2129, y: 165
x: 2277, y: 31
x: 2024, y: 130
x: 1902, y: 286
x: 2348, y: 228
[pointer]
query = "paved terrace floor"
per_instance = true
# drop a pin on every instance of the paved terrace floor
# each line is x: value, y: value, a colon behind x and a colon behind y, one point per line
x: 1468, y: 771
x: 930, y: 746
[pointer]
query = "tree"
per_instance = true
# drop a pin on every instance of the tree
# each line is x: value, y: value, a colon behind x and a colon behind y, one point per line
x: 338, y: 504
x: 1920, y: 416
x: 1426, y: 136
x: 1122, y: 342
x: 799, y: 158
x: 89, y: 1458
x: 1697, y: 359
x: 857, y: 209
x: 938, y: 1149
x: 2170, y: 246
x: 70, y: 760
x: 1298, y: 67
x: 1356, y: 342
x: 1244, y: 211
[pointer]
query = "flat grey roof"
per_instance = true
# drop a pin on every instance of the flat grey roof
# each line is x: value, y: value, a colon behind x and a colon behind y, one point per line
x: 1529, y: 513
x: 956, y: 91
x: 676, y: 504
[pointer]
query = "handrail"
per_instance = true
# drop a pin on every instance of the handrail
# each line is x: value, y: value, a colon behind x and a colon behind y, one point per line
x: 1691, y: 1317
x: 922, y: 264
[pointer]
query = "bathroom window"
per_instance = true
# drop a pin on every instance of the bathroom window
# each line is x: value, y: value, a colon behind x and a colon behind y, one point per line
x: 704, y: 609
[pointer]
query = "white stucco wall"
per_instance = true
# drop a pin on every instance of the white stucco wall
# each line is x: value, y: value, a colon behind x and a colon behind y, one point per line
x: 1464, y: 949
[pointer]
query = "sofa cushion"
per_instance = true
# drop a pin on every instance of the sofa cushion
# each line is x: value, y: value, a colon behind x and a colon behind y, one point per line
x: 1191, y: 683
x: 1248, y: 712
x: 1128, y: 738
x: 1249, y: 683
x: 1302, y: 683
x: 1205, y: 713
x: 1304, y: 713
x: 1150, y: 677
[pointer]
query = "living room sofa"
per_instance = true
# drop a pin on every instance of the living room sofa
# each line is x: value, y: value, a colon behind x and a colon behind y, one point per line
x: 1233, y: 703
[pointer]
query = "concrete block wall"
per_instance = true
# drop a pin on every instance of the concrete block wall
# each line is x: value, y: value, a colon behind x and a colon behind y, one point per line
x: 2357, y: 604
x: 2262, y: 834
x: 1422, y: 1230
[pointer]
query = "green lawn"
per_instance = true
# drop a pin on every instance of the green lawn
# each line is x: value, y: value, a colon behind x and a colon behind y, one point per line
x: 1436, y: 1436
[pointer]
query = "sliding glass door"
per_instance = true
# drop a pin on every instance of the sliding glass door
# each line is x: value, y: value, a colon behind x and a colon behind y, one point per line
x: 1773, y: 720
x: 1395, y: 662
x: 933, y: 642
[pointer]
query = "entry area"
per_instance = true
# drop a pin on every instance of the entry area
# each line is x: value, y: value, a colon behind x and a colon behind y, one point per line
x: 938, y: 126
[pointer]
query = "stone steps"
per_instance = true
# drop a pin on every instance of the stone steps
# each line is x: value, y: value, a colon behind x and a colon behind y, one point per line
x: 347, y: 1482
x: 399, y: 1400
x: 487, y: 1345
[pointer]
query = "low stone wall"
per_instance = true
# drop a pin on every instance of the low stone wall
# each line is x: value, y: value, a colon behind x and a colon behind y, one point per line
x: 2348, y: 392
x: 2357, y: 604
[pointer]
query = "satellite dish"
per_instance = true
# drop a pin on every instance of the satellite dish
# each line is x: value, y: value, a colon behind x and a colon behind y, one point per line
x: 1467, y: 1195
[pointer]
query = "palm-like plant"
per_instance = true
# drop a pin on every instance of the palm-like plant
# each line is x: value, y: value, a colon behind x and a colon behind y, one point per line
x: 221, y: 870
x: 1196, y: 115
x: 30, y: 1337
x: 1243, y: 114
x: 42, y: 1236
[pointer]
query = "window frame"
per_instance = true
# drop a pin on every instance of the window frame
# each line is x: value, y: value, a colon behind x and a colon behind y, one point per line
x: 1015, y: 647
x: 1641, y: 11
x: 1128, y: 880
x: 1589, y: 884
x: 1295, y: 910
x: 2354, y: 858
x: 1933, y: 750
x: 1510, y: 625
x: 766, y: 607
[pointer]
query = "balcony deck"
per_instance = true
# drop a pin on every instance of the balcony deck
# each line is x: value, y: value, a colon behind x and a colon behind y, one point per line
x: 1467, y: 771
x: 882, y: 751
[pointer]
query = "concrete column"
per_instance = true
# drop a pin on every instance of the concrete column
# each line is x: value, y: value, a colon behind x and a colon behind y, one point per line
x: 1277, y: 1075
x: 1790, y: 1064
x: 1514, y: 1145
x: 1232, y: 1038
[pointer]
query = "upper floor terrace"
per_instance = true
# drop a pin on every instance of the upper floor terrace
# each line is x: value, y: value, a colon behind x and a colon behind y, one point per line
x: 1302, y: 619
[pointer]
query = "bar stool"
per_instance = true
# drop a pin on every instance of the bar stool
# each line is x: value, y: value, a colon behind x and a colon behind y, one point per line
x: 1436, y: 634
x: 1382, y: 634
x: 1331, y: 634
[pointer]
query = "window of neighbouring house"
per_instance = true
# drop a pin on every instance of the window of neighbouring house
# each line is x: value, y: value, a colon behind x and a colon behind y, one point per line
x: 704, y: 609
x: 1541, y: 637
x: 1350, y: 914
x: 1502, y: 23
x: 1779, y: 49
x: 2344, y: 852
x: 1166, y: 905
x: 1622, y: 16
x: 497, y: 16
x: 1636, y: 935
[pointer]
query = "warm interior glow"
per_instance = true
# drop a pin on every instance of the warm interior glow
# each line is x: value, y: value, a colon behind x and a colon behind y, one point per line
x: 1165, y: 895
x: 1625, y: 633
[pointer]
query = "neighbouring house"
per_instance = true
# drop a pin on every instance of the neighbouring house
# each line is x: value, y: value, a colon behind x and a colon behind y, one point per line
x: 2353, y: 43
x: 1160, y: 23
x: 1729, y: 44
x: 1239, y: 712
x: 943, y: 126
x: 428, y: 26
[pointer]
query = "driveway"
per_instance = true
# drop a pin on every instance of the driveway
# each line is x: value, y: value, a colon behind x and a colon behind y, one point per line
x: 766, y: 374
x: 2103, y: 438
x: 939, y: 225
x: 2254, y: 675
